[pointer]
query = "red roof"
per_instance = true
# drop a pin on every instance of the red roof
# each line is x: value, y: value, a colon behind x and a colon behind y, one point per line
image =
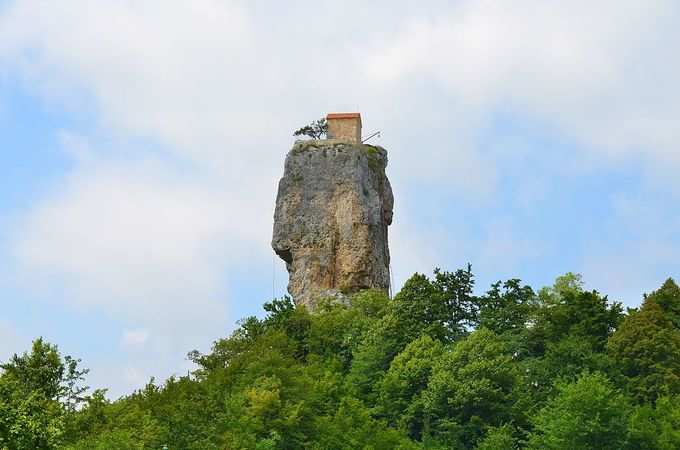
x: 354, y: 115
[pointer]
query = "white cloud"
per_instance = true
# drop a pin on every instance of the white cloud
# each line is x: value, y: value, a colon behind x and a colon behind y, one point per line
x: 134, y: 339
x: 414, y: 250
x: 10, y: 341
x: 140, y: 240
x: 223, y: 83
x: 602, y: 72
x: 216, y: 87
x: 146, y: 245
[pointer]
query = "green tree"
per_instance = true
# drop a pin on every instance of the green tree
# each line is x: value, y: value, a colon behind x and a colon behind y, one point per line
x: 656, y: 427
x: 337, y: 330
x: 37, y: 390
x: 498, y: 438
x: 472, y: 388
x: 44, y: 371
x: 567, y: 334
x: 506, y: 307
x: 28, y: 420
x: 436, y: 367
x: 646, y: 347
x: 373, y: 355
x: 569, y: 283
x: 445, y: 307
x: 115, y: 439
x: 352, y: 427
x: 668, y: 297
x: 408, y: 376
x: 586, y: 315
x: 586, y: 414
x: 315, y: 130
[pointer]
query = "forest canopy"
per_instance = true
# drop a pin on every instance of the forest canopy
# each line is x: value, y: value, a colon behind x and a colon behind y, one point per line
x: 436, y: 367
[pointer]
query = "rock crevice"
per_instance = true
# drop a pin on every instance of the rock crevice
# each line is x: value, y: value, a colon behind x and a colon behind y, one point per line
x: 333, y: 207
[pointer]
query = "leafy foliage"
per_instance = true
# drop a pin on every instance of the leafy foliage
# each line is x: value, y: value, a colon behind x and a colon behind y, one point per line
x: 645, y: 348
x: 437, y: 367
x: 586, y: 414
x: 315, y: 130
x: 471, y: 389
x: 38, y: 390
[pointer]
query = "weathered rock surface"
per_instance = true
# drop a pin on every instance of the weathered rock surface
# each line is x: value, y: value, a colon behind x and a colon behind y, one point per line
x: 333, y: 207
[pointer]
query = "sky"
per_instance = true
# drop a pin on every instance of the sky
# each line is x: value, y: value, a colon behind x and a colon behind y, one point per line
x: 141, y: 143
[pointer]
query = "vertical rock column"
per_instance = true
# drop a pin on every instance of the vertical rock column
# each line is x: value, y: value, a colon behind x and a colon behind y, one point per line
x: 333, y: 207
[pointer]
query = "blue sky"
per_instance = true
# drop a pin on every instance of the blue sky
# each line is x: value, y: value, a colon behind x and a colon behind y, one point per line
x: 141, y: 144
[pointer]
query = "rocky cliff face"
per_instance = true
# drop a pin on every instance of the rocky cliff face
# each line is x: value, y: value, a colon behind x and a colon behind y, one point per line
x: 330, y: 225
